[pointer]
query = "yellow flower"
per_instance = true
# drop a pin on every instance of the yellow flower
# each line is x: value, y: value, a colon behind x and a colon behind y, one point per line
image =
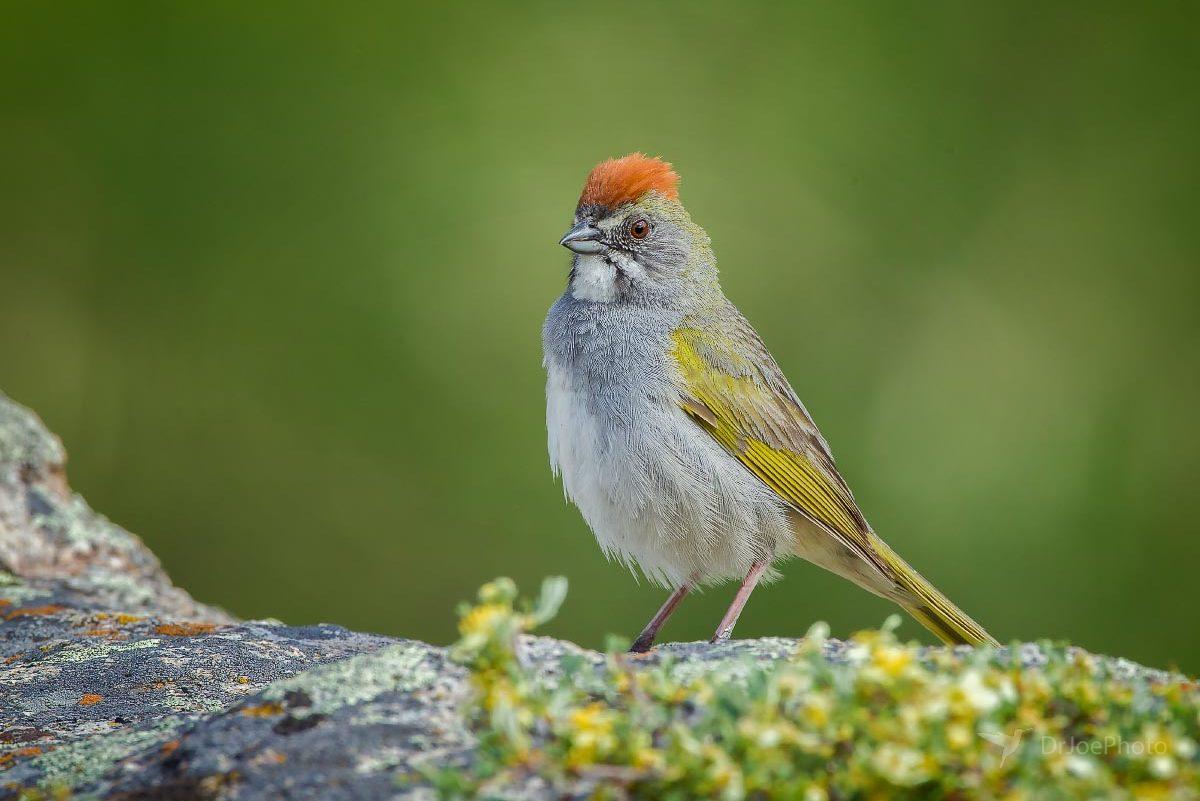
x: 593, y: 717
x: 648, y: 758
x: 816, y: 710
x: 502, y: 591
x: 959, y: 737
x: 500, y: 694
x: 1151, y: 791
x: 591, y: 734
x: 483, y: 620
x: 891, y: 659
x: 905, y: 767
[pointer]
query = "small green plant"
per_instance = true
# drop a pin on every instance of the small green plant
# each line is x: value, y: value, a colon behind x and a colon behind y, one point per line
x: 884, y: 720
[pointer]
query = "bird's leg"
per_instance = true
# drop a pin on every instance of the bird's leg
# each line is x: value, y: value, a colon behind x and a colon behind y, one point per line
x: 725, y: 629
x: 646, y: 639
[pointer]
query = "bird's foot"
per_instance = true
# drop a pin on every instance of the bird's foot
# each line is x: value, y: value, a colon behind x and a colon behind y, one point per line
x: 642, y: 644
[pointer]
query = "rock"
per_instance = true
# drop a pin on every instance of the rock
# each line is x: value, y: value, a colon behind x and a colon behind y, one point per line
x: 63, y: 552
x: 118, y: 685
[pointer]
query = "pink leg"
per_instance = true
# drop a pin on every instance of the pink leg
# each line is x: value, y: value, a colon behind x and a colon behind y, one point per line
x: 646, y: 639
x: 725, y: 629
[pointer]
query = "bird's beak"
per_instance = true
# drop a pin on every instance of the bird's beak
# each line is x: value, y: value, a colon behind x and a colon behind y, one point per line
x: 583, y: 238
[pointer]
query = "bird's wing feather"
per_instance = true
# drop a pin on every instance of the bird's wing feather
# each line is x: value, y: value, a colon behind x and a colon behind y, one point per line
x: 733, y: 389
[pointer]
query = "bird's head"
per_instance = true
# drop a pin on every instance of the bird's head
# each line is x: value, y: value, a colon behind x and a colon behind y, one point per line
x: 633, y: 241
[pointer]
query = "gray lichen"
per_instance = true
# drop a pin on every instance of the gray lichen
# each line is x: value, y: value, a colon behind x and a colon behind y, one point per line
x: 82, y: 763
x: 405, y: 667
x: 24, y: 440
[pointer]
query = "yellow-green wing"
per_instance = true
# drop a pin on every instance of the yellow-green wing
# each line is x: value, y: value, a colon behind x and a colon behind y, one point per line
x: 735, y: 391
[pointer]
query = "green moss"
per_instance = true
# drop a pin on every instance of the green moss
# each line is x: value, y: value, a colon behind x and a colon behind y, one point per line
x: 884, y: 719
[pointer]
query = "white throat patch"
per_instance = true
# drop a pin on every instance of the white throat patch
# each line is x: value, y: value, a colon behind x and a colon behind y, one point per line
x: 595, y: 279
x: 596, y: 276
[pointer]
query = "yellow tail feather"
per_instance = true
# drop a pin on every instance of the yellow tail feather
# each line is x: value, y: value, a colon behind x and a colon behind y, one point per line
x: 931, y: 608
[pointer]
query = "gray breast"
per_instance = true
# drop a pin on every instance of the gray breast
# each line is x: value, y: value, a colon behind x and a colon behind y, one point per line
x: 657, y: 491
x: 617, y: 352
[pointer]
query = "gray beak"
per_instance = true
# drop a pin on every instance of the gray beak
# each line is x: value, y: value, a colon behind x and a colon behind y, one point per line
x: 583, y: 238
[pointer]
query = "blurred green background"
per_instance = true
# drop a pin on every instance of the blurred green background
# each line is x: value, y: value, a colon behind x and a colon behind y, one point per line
x: 276, y: 274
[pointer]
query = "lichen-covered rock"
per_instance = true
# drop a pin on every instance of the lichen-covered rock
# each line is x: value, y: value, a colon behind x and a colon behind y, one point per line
x: 102, y: 659
x: 353, y: 729
x: 86, y: 690
x: 60, y: 549
x: 114, y: 684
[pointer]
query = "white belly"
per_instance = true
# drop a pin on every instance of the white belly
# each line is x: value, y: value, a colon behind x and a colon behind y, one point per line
x: 657, y: 491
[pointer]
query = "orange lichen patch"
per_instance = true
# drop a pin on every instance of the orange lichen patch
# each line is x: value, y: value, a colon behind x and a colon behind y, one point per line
x: 211, y: 786
x: 104, y: 621
x: 161, y: 684
x: 34, y: 611
x: 5, y: 602
x: 183, y: 629
x: 169, y: 747
x: 90, y: 699
x: 268, y: 757
x: 628, y: 179
x: 8, y: 660
x: 273, y: 756
x: 111, y: 634
x: 264, y: 710
x: 24, y: 734
x: 28, y: 751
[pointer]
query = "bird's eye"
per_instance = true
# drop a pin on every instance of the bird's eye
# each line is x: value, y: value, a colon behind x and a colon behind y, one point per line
x: 639, y: 228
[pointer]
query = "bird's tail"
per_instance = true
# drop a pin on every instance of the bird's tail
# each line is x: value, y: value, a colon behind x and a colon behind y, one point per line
x: 931, y: 608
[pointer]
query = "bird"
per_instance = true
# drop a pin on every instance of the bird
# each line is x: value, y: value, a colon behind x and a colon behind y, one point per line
x: 673, y: 429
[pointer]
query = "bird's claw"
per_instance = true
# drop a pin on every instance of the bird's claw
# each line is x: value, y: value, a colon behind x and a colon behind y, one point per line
x: 641, y: 645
